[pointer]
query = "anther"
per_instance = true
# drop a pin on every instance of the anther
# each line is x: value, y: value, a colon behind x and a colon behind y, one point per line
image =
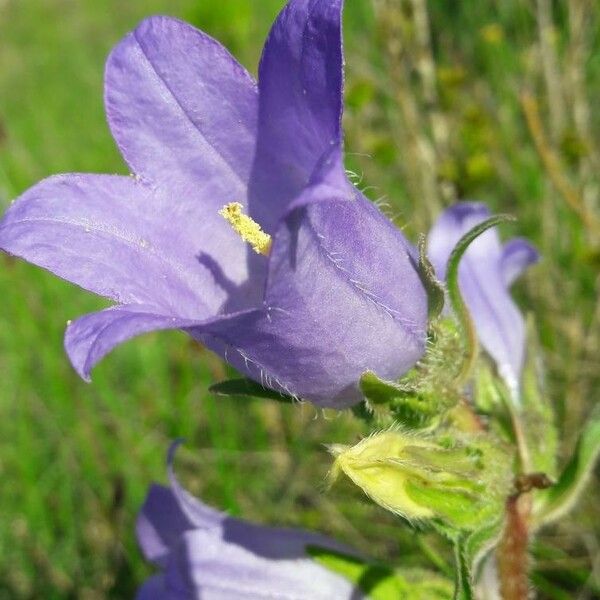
x: 248, y: 229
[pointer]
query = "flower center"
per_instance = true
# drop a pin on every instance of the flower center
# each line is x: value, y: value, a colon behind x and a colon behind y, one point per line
x: 247, y: 228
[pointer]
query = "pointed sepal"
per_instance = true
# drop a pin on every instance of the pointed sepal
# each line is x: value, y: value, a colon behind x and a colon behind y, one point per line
x: 436, y: 292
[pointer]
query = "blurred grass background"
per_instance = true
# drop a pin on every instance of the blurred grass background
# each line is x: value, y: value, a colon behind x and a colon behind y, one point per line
x: 493, y: 100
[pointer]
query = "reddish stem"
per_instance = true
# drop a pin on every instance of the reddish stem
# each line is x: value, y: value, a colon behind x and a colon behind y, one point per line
x: 513, y: 558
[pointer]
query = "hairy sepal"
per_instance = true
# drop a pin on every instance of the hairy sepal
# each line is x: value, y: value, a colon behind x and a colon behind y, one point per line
x: 423, y: 397
x: 436, y: 292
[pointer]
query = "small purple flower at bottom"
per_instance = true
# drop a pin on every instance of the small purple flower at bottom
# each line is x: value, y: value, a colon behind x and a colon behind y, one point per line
x: 338, y: 293
x: 486, y: 273
x: 203, y: 553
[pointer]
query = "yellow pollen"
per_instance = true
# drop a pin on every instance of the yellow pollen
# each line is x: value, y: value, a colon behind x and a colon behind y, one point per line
x: 248, y: 229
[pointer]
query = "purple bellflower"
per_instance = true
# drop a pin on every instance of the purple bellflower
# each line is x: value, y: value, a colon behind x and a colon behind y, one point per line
x: 486, y: 273
x: 204, y: 553
x: 338, y: 293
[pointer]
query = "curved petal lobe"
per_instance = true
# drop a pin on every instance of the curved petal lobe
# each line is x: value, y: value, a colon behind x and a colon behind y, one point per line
x: 184, y: 114
x: 300, y: 106
x: 517, y: 255
x: 164, y: 518
x: 92, y: 337
x: 155, y: 589
x: 181, y: 107
x: 107, y: 234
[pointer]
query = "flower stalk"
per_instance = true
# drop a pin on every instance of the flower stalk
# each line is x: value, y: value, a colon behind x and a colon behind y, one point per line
x: 513, y: 557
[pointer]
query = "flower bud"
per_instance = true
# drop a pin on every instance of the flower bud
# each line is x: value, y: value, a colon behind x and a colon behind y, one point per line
x: 461, y: 482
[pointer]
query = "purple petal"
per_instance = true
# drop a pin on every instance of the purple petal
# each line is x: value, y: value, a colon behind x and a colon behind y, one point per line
x: 204, y: 565
x: 155, y: 589
x: 98, y: 231
x: 342, y: 282
x: 168, y: 513
x: 163, y: 520
x: 165, y: 517
x: 93, y: 336
x: 182, y: 110
x: 118, y: 238
x: 300, y: 107
x: 499, y: 323
x: 451, y: 225
x: 343, y: 297
x: 206, y: 553
x: 517, y: 255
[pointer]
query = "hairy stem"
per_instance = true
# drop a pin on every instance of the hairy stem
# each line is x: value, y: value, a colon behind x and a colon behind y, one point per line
x: 512, y: 554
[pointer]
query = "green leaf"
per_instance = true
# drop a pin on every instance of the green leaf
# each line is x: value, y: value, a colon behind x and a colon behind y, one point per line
x: 433, y: 286
x: 463, y: 566
x: 469, y: 550
x: 553, y: 503
x: 248, y: 387
x: 380, y: 391
x: 456, y: 300
x: 380, y: 582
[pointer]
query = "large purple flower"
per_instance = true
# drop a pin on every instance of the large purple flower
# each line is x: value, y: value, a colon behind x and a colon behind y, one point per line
x: 338, y: 294
x: 204, y: 553
x: 486, y: 273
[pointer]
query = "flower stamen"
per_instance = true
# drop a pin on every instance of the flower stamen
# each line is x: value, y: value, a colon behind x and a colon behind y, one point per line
x: 247, y: 228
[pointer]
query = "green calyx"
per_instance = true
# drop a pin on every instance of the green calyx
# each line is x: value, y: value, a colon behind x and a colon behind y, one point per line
x: 423, y: 397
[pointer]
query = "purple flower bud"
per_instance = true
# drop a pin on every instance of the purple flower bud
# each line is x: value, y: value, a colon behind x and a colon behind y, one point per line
x: 339, y: 293
x: 205, y: 553
x: 486, y: 272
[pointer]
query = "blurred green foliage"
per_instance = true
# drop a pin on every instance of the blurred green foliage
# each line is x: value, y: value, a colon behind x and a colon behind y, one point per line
x: 434, y: 113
